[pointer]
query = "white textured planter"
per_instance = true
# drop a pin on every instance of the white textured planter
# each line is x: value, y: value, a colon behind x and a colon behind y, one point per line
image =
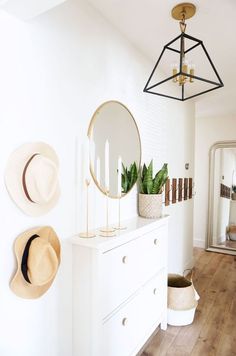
x: 150, y: 205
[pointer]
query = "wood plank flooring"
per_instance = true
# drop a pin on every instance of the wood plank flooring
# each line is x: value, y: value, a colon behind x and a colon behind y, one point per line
x: 213, y: 332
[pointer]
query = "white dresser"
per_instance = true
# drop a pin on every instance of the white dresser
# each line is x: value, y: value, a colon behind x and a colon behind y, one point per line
x: 119, y: 289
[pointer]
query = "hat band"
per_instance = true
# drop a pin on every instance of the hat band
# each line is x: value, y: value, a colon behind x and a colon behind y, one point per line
x: 23, y: 178
x: 24, y: 261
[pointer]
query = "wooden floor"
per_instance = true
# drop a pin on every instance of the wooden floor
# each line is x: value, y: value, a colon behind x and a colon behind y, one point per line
x: 213, y: 331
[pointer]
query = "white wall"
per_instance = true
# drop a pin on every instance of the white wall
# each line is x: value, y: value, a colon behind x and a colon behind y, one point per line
x: 55, y: 71
x: 207, y: 132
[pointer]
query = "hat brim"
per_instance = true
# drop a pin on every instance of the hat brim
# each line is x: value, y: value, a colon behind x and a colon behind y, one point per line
x: 18, y: 284
x: 14, y: 172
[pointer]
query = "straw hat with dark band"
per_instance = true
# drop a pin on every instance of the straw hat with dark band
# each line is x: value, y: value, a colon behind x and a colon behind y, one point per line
x: 38, y: 257
x: 31, y: 178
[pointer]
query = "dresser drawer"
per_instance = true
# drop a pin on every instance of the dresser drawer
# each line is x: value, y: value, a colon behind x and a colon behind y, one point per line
x: 154, y: 300
x: 128, y: 267
x: 128, y: 329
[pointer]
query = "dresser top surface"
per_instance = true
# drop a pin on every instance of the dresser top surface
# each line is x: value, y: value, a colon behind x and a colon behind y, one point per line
x: 134, y: 227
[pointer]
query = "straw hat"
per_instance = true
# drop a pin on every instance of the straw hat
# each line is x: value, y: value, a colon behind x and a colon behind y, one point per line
x: 31, y: 178
x: 38, y: 257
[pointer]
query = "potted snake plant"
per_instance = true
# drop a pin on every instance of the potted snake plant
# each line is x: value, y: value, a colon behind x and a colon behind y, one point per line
x: 150, y: 191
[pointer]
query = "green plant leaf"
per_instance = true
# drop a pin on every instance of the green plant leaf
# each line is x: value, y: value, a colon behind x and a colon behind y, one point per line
x: 143, y: 171
x: 160, y: 179
x: 140, y: 182
x: 148, y: 180
x: 134, y: 174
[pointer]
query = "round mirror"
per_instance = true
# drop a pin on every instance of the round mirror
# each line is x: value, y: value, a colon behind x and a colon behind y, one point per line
x: 116, y: 149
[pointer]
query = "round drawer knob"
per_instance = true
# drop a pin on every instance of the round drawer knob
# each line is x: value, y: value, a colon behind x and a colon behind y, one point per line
x: 155, y: 242
x: 155, y: 291
x: 124, y: 321
x: 125, y: 259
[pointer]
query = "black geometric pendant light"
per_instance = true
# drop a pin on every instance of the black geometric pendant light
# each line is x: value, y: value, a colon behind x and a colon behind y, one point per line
x: 184, y: 69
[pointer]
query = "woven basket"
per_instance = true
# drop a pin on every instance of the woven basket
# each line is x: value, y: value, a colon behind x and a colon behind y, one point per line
x: 182, y: 300
x: 181, y: 294
x: 150, y: 205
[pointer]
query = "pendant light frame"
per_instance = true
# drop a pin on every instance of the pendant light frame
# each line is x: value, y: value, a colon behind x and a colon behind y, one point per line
x: 181, y: 51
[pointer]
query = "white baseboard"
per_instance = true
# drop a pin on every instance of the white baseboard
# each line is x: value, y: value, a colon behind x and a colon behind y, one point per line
x: 199, y: 243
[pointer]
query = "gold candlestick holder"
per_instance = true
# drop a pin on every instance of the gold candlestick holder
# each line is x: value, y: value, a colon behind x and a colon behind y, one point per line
x: 119, y: 226
x: 107, y: 231
x: 87, y: 233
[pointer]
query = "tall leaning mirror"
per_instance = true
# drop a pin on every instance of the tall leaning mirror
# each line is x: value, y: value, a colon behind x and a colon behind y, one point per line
x: 114, y: 135
x: 222, y: 198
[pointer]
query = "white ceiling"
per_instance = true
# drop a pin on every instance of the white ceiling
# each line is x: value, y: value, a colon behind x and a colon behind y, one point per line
x: 149, y: 26
x: 27, y: 9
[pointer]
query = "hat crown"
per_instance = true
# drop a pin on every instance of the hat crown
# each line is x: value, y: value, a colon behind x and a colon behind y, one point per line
x: 42, y: 262
x: 34, y: 189
x: 41, y: 179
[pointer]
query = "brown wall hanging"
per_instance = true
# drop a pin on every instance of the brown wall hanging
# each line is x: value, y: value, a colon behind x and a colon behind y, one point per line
x: 174, y: 190
x: 190, y: 187
x: 225, y: 191
x: 167, y: 192
x: 185, y: 188
x: 180, y: 189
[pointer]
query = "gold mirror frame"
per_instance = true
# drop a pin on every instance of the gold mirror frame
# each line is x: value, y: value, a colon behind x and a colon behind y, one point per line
x: 91, y: 124
x: 209, y: 244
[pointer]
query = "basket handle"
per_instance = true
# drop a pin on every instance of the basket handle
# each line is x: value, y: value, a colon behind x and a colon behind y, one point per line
x: 190, y: 271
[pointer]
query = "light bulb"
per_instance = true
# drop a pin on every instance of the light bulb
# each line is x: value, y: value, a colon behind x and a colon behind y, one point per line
x: 191, y: 71
x: 175, y: 68
x: 185, y: 65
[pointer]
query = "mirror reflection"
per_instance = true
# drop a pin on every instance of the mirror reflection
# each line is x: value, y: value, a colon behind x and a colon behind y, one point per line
x: 116, y: 147
x: 223, y: 198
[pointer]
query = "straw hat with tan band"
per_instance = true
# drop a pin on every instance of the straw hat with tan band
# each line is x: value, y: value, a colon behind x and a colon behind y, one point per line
x: 31, y: 178
x: 38, y: 257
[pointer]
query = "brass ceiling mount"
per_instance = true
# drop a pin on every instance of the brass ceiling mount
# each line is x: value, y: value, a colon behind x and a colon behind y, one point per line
x: 185, y: 11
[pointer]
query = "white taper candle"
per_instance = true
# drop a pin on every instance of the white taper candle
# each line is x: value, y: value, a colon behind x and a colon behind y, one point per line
x: 86, y: 171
